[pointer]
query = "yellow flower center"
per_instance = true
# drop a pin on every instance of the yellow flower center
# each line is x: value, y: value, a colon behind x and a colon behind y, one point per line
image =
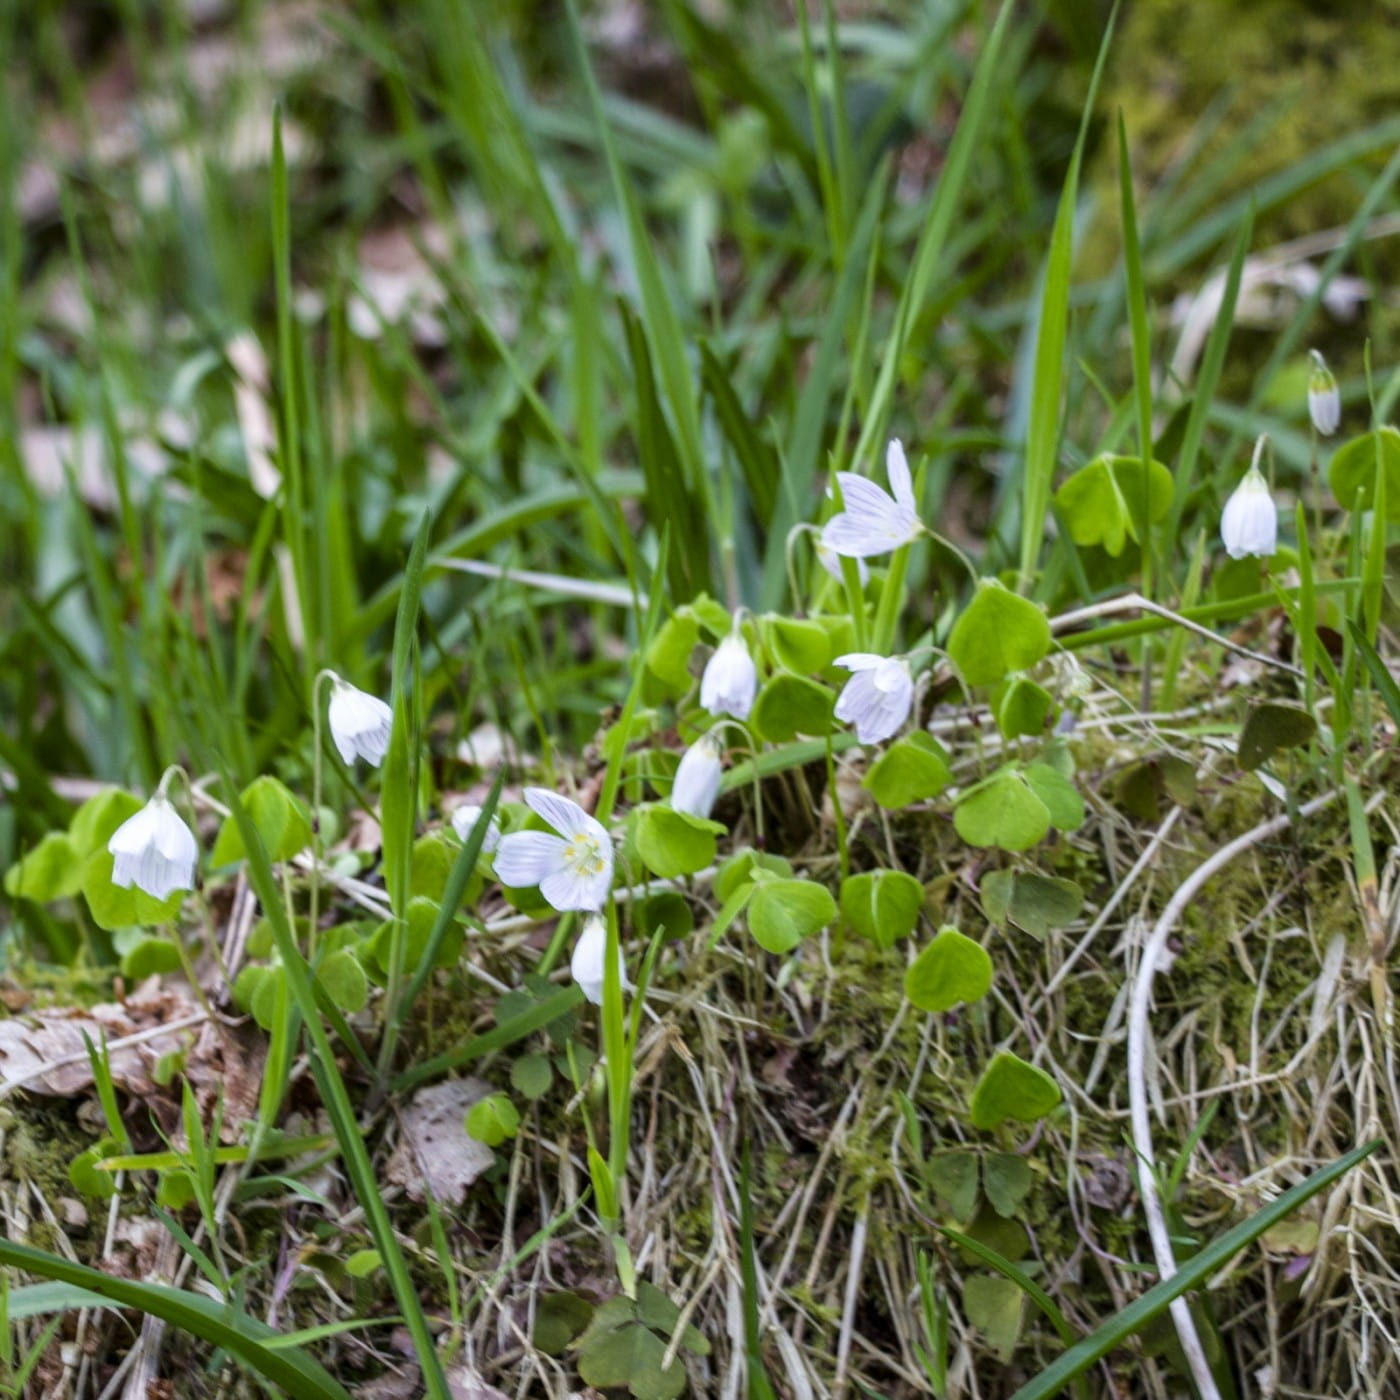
x: 584, y: 856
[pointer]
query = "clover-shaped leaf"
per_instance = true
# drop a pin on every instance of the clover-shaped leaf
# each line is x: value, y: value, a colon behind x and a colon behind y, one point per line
x: 1352, y: 474
x: 999, y: 632
x: 953, y: 968
x: 1111, y: 499
x: 1011, y: 1088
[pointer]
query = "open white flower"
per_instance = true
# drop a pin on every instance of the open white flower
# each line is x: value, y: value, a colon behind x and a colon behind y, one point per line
x: 878, y: 697
x: 697, y: 779
x: 873, y: 521
x: 464, y: 818
x: 154, y: 850
x: 730, y: 681
x: 1250, y: 522
x: 573, y: 870
x: 1324, y: 402
x: 360, y: 723
x: 590, y: 960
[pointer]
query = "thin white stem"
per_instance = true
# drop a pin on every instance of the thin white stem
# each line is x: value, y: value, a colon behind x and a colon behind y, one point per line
x: 1138, y: 1031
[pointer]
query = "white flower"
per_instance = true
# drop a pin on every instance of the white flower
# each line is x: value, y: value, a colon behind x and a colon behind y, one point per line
x: 730, y: 681
x: 872, y: 521
x: 878, y: 697
x: 831, y: 562
x: 1250, y: 522
x: 589, y: 960
x: 464, y: 818
x: 1324, y: 402
x: 360, y: 723
x: 573, y: 870
x: 154, y: 850
x: 697, y: 779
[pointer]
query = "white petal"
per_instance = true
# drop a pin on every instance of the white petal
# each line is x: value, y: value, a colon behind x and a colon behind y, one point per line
x: 134, y: 834
x: 730, y: 681
x: 562, y: 813
x: 154, y: 850
x: 830, y: 560
x: 465, y: 817
x: 698, y: 778
x: 897, y: 468
x: 360, y: 723
x: 860, y: 660
x: 567, y: 888
x: 526, y: 858
x: 587, y: 964
x: 1249, y: 523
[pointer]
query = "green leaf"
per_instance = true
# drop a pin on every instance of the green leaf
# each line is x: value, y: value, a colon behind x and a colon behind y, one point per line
x: 531, y: 1076
x: 998, y: 632
x: 784, y: 912
x: 673, y: 843
x: 492, y: 1120
x: 1033, y: 902
x: 147, y: 956
x: 912, y: 769
x: 98, y: 818
x: 882, y: 905
x: 114, y: 908
x: 344, y: 979
x: 1270, y: 727
x: 668, y: 656
x: 1011, y: 1088
x: 1060, y: 796
x: 52, y: 870
x: 559, y: 1318
x: 789, y: 705
x: 631, y: 1356
x: 1006, y: 1181
x: 418, y: 930
x: 1001, y: 811
x: 1109, y: 500
x: 953, y: 1177
x: 993, y: 1307
x: 666, y: 912
x: 434, y: 855
x: 1352, y: 474
x: 797, y: 644
x: 1022, y: 707
x: 280, y: 816
x: 740, y: 867
x: 952, y: 969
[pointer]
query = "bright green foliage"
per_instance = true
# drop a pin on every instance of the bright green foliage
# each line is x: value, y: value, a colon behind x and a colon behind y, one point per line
x: 998, y: 632
x: 1022, y: 707
x: 1011, y: 1088
x: 98, y: 818
x: 673, y: 843
x: 1352, y: 473
x: 666, y: 910
x: 344, y: 979
x: 492, y: 1120
x: 142, y: 955
x: 784, y: 912
x: 417, y: 930
x: 789, y: 705
x: 114, y: 908
x: 52, y: 870
x: 882, y: 905
x: 741, y: 867
x: 952, y: 969
x: 282, y: 820
x: 1031, y: 901
x: 1016, y: 807
x: 1112, y: 500
x: 798, y: 645
x: 912, y: 769
x: 1270, y: 727
x: 434, y: 855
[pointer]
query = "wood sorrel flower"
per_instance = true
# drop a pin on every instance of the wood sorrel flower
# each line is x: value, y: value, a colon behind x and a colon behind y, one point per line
x: 154, y: 850
x: 464, y: 818
x: 871, y: 520
x: 730, y: 681
x: 573, y: 870
x: 590, y: 959
x: 360, y: 723
x: 697, y: 779
x: 1250, y: 522
x: 878, y: 697
x: 1324, y: 402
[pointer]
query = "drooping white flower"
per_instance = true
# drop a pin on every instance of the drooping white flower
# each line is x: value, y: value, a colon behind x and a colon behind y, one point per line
x: 873, y: 521
x: 590, y: 959
x: 878, y: 697
x: 1324, y: 402
x: 730, y: 681
x: 360, y: 723
x: 1249, y: 524
x: 464, y: 818
x: 573, y: 870
x: 154, y: 850
x: 697, y: 779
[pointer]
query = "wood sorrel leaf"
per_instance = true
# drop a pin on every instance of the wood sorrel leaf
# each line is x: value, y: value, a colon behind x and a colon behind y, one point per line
x: 999, y: 632
x: 882, y: 905
x: 952, y: 969
x: 1011, y: 1088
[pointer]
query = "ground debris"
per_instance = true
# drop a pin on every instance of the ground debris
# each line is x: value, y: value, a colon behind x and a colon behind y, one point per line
x: 434, y: 1152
